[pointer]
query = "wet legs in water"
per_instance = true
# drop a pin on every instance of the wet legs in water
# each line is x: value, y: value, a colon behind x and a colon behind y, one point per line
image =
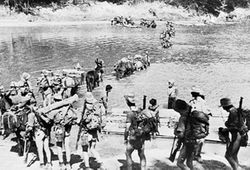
x: 233, y: 149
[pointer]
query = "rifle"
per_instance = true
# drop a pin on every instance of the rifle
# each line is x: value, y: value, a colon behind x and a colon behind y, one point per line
x: 240, y: 117
x: 80, y: 125
x: 173, y: 153
x: 180, y: 141
x: 144, y: 102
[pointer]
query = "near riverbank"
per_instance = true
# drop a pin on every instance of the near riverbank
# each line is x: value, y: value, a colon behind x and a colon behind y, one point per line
x: 104, y: 11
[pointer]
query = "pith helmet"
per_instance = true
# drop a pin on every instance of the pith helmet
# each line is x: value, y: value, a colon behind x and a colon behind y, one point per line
x: 45, y: 72
x: 153, y: 102
x: 25, y: 76
x: 90, y: 98
x: 130, y: 97
x: 224, y: 102
x: 12, y: 84
x: 171, y: 81
x: 108, y: 87
x: 195, y: 89
x: 78, y: 66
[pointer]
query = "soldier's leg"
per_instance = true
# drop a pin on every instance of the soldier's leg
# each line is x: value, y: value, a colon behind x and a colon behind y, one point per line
x: 39, y: 144
x: 142, y: 157
x: 67, y: 149
x: 47, y: 150
x: 85, y: 147
x: 94, y: 151
x: 190, y: 151
x: 60, y: 151
x: 182, y: 157
x: 129, y: 151
x: 198, y: 148
x: 233, y: 149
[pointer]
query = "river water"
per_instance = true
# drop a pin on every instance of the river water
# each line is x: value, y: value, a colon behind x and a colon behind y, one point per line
x: 215, y: 57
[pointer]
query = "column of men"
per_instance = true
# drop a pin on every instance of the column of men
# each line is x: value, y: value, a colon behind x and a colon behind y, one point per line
x: 54, y: 89
x: 191, y: 136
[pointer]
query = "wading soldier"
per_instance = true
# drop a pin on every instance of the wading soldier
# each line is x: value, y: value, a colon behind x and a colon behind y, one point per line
x: 132, y: 141
x: 235, y: 126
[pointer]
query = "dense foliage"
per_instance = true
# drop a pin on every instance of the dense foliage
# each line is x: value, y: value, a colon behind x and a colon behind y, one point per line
x: 200, y: 6
x: 211, y: 6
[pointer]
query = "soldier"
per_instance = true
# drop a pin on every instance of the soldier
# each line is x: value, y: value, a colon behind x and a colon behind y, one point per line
x: 62, y: 128
x: 131, y: 140
x: 154, y: 108
x: 172, y: 93
x: 41, y: 131
x: 68, y: 83
x: 104, y: 98
x: 25, y: 84
x: 183, y: 132
x: 198, y: 103
x: 235, y: 126
x: 78, y: 67
x: 45, y: 88
x: 90, y: 126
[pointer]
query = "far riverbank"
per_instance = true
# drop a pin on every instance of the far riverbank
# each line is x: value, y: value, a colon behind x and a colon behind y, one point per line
x: 104, y: 11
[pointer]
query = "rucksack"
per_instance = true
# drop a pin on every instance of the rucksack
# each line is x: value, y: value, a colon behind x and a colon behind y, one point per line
x: 146, y: 124
x: 199, y: 124
x: 63, y: 116
x: 92, y: 117
x: 246, y: 115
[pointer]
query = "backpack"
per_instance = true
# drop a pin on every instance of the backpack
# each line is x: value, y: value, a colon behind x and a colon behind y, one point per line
x: 92, y: 117
x: 199, y: 124
x: 145, y: 124
x: 246, y: 115
x: 63, y: 116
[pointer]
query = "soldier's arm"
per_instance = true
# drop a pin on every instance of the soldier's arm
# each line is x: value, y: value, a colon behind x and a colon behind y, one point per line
x: 128, y: 124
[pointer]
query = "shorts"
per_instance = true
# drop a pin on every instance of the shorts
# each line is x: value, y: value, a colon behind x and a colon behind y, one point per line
x: 40, y: 135
x: 88, y: 136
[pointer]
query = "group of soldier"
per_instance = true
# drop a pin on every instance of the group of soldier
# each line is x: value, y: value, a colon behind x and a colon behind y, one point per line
x: 55, y: 115
x: 54, y: 89
x: 190, y: 146
x: 167, y: 34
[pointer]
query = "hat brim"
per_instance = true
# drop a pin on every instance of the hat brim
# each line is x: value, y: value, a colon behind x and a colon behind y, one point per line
x: 91, y: 100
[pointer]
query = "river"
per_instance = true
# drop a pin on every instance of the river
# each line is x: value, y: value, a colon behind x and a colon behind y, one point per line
x: 215, y: 57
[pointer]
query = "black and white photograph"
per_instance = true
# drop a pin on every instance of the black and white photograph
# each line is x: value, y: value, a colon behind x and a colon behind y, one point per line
x: 124, y: 84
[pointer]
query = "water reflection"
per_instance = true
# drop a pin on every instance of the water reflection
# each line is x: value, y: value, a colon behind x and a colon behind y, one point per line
x: 214, y: 57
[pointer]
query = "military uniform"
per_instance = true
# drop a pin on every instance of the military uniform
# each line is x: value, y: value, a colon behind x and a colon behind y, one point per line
x: 234, y: 126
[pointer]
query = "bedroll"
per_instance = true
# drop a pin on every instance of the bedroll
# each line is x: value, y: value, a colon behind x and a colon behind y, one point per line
x: 199, y: 123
